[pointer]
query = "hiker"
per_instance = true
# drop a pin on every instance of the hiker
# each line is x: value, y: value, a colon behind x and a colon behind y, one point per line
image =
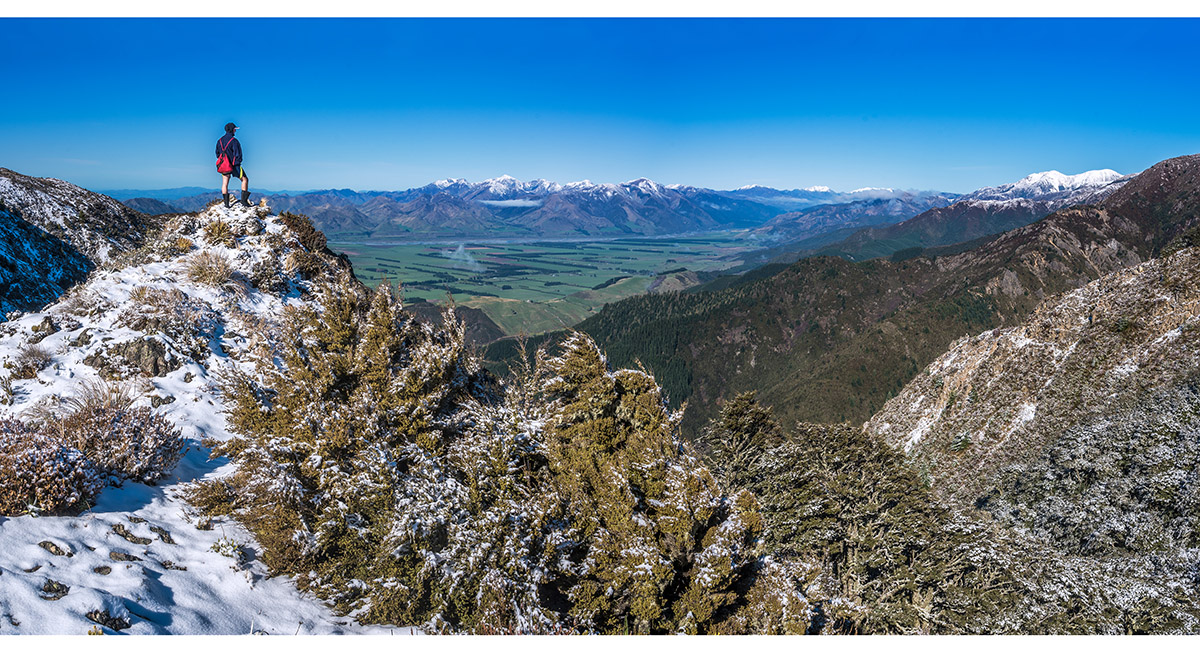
x: 229, y: 148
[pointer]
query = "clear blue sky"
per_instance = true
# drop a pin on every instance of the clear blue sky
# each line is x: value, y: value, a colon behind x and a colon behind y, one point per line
x: 390, y: 104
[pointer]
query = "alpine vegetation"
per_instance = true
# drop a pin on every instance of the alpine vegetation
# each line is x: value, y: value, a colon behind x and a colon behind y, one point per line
x: 378, y: 464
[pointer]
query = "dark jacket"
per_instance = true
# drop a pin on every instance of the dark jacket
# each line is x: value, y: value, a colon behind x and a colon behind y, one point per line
x: 232, y: 148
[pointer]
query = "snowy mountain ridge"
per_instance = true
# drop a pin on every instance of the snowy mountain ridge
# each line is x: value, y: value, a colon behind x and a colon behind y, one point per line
x: 1053, y: 188
x: 96, y: 225
x: 165, y: 322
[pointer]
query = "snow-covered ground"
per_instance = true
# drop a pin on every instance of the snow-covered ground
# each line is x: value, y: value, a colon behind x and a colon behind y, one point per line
x: 136, y: 554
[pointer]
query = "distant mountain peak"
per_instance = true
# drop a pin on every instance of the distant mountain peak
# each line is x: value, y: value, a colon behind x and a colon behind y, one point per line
x: 1055, y: 180
x: 1054, y: 188
x: 644, y: 184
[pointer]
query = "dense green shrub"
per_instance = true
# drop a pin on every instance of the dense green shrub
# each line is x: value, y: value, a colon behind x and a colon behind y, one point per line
x: 379, y: 465
x: 302, y: 227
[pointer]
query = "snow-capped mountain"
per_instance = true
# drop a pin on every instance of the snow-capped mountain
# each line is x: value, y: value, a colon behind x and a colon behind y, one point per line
x: 986, y: 211
x: 508, y: 207
x: 1055, y: 189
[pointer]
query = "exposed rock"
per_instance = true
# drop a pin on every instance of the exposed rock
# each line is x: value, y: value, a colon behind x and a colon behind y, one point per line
x: 84, y: 339
x: 53, y: 548
x: 42, y: 330
x: 118, y: 556
x: 102, y: 570
x: 147, y: 356
x: 107, y: 620
x: 129, y: 536
x: 53, y: 590
x: 163, y: 534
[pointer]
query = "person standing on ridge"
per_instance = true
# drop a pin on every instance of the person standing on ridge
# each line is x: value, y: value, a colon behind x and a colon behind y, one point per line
x: 229, y: 163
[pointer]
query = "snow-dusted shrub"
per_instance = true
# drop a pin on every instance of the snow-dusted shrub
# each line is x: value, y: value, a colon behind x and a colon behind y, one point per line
x: 40, y: 474
x: 209, y: 268
x: 302, y: 227
x: 378, y: 464
x: 182, y: 245
x: 29, y: 361
x: 303, y: 263
x: 219, y: 232
x: 6, y: 391
x: 124, y: 442
x: 266, y: 276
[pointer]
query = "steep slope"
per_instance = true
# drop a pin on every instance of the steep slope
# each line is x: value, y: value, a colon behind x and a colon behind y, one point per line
x: 828, y: 340
x: 1002, y: 396
x: 983, y: 212
x: 95, y: 225
x: 164, y: 324
x: 35, y: 267
x: 52, y: 233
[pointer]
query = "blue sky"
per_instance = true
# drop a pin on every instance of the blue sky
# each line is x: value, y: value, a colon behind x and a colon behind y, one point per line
x: 396, y: 103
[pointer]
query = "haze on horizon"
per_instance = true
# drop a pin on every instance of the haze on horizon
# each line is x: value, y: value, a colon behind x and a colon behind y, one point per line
x: 945, y: 104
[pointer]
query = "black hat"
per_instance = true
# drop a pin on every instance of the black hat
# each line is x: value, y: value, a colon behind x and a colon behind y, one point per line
x: 229, y: 128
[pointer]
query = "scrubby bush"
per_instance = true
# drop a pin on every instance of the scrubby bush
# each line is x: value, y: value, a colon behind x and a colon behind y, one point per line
x: 182, y: 245
x: 306, y: 265
x: 736, y: 439
x: 382, y: 467
x: 309, y: 237
x: 209, y: 268
x: 266, y: 276
x: 219, y: 232
x: 40, y: 474
x: 125, y: 442
x: 30, y: 360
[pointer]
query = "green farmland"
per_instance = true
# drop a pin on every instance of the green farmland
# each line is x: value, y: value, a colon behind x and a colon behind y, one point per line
x: 534, y: 287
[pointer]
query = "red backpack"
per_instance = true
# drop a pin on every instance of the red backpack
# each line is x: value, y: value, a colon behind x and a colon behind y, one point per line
x: 224, y: 164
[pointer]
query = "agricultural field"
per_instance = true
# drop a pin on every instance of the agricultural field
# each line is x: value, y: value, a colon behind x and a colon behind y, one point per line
x: 533, y: 287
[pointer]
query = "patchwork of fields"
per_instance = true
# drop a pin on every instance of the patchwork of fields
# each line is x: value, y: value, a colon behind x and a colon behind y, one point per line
x: 534, y: 287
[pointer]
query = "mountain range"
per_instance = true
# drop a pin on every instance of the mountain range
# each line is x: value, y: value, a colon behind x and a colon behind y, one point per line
x: 828, y: 340
x: 506, y: 207
x: 999, y: 436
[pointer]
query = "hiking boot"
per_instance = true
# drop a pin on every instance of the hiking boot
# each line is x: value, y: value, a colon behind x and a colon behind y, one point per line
x: 226, y: 197
x: 245, y: 198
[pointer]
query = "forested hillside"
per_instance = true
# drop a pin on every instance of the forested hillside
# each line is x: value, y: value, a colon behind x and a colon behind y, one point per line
x: 826, y: 340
